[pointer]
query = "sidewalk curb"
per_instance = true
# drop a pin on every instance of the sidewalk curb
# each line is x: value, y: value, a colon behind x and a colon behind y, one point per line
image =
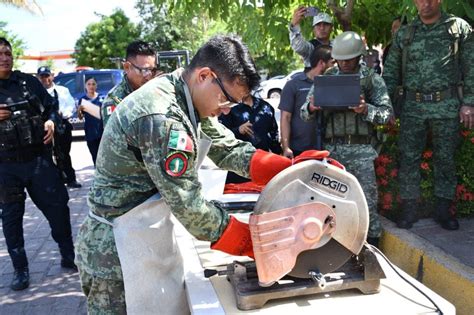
x: 430, y: 265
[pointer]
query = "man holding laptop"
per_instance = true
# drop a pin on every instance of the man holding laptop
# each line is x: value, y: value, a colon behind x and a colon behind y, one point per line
x: 362, y: 101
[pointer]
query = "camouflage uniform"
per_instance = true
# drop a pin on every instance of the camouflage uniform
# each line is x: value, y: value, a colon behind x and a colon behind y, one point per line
x: 114, y: 97
x: 348, y: 136
x: 141, y: 129
x: 430, y: 67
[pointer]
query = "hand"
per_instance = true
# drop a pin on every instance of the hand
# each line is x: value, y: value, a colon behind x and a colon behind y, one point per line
x: 466, y: 116
x: 246, y: 129
x: 362, y: 108
x: 287, y: 152
x: 298, y: 15
x: 49, y: 132
x: 80, y: 113
x: 311, y: 106
x: 235, y: 239
x: 4, y: 113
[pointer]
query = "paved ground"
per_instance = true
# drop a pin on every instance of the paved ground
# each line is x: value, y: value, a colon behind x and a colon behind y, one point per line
x: 55, y: 290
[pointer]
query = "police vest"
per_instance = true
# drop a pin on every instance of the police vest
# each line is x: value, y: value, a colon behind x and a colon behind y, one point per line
x: 23, y: 132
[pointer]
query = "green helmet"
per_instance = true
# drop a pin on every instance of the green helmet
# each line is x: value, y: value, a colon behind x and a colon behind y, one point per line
x: 347, y: 45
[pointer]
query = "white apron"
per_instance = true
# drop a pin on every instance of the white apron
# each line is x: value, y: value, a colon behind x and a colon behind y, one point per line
x: 152, y: 265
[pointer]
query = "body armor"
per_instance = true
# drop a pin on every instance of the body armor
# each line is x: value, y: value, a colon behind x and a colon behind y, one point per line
x: 21, y: 136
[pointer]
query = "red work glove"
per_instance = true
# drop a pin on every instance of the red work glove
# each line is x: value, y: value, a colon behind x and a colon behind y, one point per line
x: 235, y: 240
x: 265, y: 165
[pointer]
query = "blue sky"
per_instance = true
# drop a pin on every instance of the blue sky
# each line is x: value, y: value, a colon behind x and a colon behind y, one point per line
x: 62, y: 22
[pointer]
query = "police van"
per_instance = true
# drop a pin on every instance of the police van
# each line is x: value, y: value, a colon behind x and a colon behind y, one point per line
x: 75, y: 82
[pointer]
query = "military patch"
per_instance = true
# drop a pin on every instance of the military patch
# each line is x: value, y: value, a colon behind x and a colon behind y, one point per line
x: 110, y: 109
x: 176, y: 164
x: 180, y: 140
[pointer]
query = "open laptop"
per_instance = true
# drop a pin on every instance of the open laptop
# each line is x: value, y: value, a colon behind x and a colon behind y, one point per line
x: 337, y: 91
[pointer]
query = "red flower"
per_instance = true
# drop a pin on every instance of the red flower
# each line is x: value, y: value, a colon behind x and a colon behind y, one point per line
x: 472, y: 140
x: 386, y: 206
x: 387, y: 198
x: 394, y: 173
x: 384, y: 159
x: 425, y: 166
x: 380, y: 170
x: 383, y: 182
x: 460, y: 189
x: 465, y: 133
x: 428, y: 154
x: 468, y: 196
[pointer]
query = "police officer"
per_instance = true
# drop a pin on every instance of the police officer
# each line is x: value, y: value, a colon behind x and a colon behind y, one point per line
x: 147, y: 169
x: 63, y: 135
x: 424, y: 70
x: 27, y: 120
x: 349, y: 133
x: 140, y: 66
x: 322, y: 28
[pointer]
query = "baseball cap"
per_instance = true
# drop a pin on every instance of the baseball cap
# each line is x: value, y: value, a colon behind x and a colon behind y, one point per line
x: 322, y: 17
x: 44, y: 71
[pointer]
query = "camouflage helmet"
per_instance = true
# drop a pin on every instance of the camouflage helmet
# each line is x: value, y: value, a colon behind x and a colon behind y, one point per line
x: 347, y: 45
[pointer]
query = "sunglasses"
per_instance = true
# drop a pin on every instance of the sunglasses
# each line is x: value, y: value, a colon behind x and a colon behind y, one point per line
x: 144, y: 71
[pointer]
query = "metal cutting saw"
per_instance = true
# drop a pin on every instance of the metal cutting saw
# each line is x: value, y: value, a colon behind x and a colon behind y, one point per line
x: 308, y: 229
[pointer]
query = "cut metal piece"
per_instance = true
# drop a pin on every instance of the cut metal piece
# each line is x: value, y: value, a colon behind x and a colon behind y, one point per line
x: 316, y: 181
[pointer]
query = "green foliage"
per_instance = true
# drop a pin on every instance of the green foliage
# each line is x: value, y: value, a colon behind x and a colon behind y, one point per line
x: 105, y: 40
x: 18, y: 45
x: 386, y: 169
x: 265, y: 28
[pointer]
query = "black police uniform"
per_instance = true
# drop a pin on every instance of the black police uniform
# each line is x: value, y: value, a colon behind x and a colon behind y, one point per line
x: 25, y: 162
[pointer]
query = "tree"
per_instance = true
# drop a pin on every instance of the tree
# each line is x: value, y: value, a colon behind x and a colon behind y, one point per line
x: 101, y: 42
x: 263, y: 24
x: 170, y: 31
x: 18, y: 45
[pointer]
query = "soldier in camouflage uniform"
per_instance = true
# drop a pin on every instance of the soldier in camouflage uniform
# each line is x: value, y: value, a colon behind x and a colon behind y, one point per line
x: 151, y: 145
x: 427, y: 62
x: 349, y: 133
x: 140, y: 66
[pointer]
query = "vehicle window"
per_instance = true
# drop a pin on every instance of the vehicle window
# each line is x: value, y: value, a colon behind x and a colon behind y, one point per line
x: 104, y: 81
x: 68, y: 80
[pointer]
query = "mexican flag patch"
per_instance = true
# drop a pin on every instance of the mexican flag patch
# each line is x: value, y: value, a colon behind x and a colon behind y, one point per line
x: 176, y: 164
x: 180, y: 140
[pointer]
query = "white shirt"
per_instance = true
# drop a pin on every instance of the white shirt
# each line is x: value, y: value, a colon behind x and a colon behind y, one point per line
x: 67, y: 105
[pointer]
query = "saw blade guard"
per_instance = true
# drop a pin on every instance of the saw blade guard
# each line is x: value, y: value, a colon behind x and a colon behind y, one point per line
x: 303, y: 208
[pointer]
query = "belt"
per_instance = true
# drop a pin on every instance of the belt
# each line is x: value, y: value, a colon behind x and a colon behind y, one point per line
x: 433, y: 97
x: 349, y: 139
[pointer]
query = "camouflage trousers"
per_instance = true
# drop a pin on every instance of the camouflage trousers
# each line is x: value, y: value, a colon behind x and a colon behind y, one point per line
x: 359, y: 161
x: 412, y: 142
x: 104, y: 296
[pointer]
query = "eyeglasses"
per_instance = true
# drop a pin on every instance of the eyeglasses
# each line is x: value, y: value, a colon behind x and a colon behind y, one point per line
x: 231, y: 102
x: 144, y: 71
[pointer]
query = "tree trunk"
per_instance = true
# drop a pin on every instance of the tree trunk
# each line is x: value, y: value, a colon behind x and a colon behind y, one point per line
x: 343, y: 15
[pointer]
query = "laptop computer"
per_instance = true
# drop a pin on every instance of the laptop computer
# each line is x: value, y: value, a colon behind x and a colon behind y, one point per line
x: 337, y: 91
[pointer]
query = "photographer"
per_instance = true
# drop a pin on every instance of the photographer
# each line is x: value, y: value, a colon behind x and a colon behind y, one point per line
x: 349, y: 133
x: 27, y: 122
x: 322, y: 28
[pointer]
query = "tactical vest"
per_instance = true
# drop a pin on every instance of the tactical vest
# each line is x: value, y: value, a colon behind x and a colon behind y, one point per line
x: 340, y: 123
x: 21, y: 136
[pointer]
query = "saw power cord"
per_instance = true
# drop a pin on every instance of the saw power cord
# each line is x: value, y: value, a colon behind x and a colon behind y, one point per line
x: 437, y: 309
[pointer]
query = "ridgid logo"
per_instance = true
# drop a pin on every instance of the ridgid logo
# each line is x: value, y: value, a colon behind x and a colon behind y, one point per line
x: 330, y: 183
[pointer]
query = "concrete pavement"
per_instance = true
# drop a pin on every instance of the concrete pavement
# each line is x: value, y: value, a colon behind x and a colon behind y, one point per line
x: 53, y: 289
x: 442, y: 260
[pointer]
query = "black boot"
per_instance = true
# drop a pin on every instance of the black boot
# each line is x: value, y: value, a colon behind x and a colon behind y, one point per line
x: 443, y: 216
x: 67, y: 261
x: 21, y: 279
x: 408, y: 215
